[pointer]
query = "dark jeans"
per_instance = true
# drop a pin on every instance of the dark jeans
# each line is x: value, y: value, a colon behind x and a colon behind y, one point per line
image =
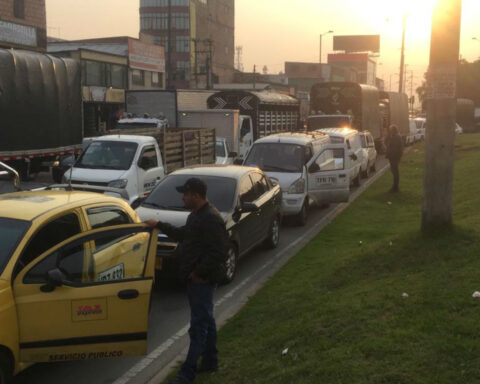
x: 394, y: 166
x: 203, y: 330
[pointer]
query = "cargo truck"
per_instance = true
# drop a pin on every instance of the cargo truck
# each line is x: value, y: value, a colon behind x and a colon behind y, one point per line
x: 466, y: 115
x: 359, y: 101
x: 235, y: 129
x: 137, y: 163
x: 270, y: 112
x: 40, y: 109
x: 394, y: 111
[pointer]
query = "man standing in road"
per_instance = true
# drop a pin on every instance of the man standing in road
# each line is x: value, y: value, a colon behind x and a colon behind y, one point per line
x: 204, y: 241
x: 394, y: 155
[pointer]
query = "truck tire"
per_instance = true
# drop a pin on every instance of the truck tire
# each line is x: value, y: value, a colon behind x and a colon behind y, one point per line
x: 6, y: 371
x: 230, y: 264
x: 271, y: 242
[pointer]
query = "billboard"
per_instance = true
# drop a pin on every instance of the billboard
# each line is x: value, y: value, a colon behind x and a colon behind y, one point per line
x: 365, y: 43
x: 145, y: 56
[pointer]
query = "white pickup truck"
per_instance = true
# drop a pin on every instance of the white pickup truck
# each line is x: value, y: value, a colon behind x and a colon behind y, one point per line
x: 137, y: 163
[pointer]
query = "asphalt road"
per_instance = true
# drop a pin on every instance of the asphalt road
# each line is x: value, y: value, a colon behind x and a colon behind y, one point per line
x: 168, y: 326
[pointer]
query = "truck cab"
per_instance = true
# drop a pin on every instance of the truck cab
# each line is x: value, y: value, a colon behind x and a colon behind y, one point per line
x: 132, y: 163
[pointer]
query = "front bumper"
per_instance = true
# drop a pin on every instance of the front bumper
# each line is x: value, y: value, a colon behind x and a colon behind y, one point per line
x: 292, y: 204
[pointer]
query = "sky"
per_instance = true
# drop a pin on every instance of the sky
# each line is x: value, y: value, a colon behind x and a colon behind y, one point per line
x: 274, y: 31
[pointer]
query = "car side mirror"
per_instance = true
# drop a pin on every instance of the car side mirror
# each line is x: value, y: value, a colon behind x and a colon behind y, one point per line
x: 314, y: 168
x: 249, y: 207
x: 55, y: 278
x: 138, y: 202
x: 144, y: 163
x: 232, y: 155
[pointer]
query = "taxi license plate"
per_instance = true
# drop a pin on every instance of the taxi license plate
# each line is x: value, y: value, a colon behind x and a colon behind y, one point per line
x: 115, y: 273
x: 327, y: 180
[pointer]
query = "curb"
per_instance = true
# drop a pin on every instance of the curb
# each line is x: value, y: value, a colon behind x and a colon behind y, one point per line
x: 279, y: 261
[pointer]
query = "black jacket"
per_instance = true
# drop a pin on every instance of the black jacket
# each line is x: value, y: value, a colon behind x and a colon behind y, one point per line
x: 204, y: 242
x: 394, y: 148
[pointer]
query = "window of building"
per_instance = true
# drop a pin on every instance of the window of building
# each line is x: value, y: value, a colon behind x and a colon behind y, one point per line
x: 164, y: 3
x: 182, y: 70
x: 182, y: 44
x: 157, y: 79
x: 19, y: 9
x: 94, y: 73
x: 118, y: 76
x: 138, y: 77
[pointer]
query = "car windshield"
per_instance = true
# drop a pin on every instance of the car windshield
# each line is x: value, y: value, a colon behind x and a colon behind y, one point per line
x: 276, y: 157
x: 322, y: 122
x: 108, y: 155
x: 220, y: 149
x: 12, y: 232
x: 220, y: 193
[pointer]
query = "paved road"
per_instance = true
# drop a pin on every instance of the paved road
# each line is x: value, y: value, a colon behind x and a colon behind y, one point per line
x: 170, y: 314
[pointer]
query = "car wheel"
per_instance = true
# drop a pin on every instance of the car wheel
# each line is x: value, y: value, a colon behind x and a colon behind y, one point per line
x: 366, y: 173
x: 302, y: 216
x: 5, y: 369
x: 230, y: 264
x: 271, y: 242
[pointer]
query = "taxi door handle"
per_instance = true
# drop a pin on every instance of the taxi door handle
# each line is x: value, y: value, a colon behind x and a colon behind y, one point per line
x: 128, y: 294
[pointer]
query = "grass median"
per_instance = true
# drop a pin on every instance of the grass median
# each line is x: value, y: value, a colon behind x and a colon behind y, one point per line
x: 371, y: 299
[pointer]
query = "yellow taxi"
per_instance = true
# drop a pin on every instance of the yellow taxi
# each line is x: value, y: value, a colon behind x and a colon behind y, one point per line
x: 76, y: 274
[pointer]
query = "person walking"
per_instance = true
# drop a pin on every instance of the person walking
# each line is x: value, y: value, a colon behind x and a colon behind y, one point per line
x: 204, y: 241
x: 394, y: 155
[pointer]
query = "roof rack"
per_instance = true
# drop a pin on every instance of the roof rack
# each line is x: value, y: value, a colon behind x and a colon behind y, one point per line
x: 8, y: 171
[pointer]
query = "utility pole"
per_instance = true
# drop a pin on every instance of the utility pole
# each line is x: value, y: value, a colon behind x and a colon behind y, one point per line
x: 441, y: 115
x: 195, y: 64
x: 254, y: 76
x: 169, y: 46
x: 209, y: 43
x: 411, y: 91
x: 402, y: 57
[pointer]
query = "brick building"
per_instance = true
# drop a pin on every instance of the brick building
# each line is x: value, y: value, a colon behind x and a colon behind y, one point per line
x: 198, y: 36
x: 23, y: 24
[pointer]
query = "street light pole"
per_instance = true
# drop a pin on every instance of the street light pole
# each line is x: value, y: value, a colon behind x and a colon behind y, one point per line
x: 321, y: 36
x: 402, y: 58
x: 441, y: 115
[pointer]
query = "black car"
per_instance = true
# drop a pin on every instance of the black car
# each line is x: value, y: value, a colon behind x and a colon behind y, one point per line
x: 246, y: 198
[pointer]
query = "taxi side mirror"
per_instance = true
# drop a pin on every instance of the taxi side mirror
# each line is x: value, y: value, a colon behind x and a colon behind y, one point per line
x: 55, y: 278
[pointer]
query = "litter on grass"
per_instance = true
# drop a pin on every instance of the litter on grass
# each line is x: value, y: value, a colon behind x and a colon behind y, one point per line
x: 284, y: 352
x: 476, y: 295
x: 405, y: 295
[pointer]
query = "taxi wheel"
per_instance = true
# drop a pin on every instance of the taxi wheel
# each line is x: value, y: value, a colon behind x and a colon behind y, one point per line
x: 357, y: 182
x: 271, y: 242
x: 5, y: 369
x: 230, y: 264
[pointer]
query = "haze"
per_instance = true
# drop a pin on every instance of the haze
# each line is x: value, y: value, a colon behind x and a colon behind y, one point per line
x: 274, y: 31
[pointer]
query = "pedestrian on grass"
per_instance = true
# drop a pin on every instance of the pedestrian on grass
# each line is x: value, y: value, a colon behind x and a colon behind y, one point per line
x: 394, y: 144
x: 204, y: 242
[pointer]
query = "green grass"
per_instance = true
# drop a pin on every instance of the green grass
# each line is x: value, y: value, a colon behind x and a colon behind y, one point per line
x: 338, y: 306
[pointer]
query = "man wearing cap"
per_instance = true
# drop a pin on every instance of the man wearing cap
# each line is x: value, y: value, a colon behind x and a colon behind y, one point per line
x: 204, y: 242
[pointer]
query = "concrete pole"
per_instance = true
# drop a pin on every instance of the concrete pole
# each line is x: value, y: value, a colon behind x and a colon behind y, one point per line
x: 402, y: 57
x: 441, y: 115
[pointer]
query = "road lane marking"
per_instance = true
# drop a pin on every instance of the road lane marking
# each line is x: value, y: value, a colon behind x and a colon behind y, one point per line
x: 166, y: 345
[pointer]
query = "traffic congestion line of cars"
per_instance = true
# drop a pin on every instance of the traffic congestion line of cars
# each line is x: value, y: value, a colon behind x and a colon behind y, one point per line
x: 77, y: 267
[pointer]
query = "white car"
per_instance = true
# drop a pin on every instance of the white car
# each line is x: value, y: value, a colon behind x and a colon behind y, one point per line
x: 356, y: 159
x: 308, y: 168
x: 458, y: 129
x: 368, y: 144
x: 421, y: 124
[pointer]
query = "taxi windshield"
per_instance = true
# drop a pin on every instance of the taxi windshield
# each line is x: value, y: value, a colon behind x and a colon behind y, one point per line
x: 11, y: 232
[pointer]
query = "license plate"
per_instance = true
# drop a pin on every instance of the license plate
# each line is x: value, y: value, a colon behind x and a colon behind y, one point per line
x: 326, y: 180
x: 115, y: 273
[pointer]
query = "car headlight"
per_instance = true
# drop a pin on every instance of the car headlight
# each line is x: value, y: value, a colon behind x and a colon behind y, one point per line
x: 297, y: 187
x: 120, y: 184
